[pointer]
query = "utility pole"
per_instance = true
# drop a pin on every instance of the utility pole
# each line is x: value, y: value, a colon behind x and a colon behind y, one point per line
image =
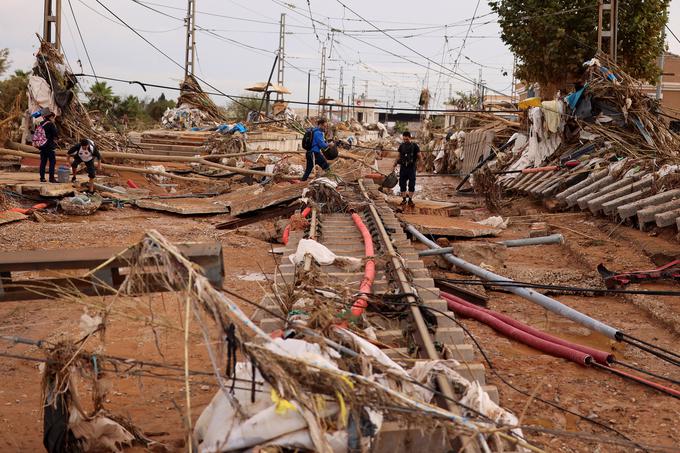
x: 341, y: 94
x: 354, y: 78
x: 282, y: 54
x: 52, y: 15
x: 309, y: 86
x: 322, y: 79
x: 190, y: 54
x: 481, y: 91
x: 662, y: 56
x: 607, y: 29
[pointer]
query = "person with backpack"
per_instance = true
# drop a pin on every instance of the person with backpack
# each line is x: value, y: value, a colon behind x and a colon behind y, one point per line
x: 44, y: 138
x: 409, y: 154
x: 85, y: 152
x: 314, y: 142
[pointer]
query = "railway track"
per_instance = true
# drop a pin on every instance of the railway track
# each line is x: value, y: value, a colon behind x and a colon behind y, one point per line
x: 407, y: 333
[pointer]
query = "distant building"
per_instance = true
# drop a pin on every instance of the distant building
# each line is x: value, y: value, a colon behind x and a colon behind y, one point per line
x: 670, y: 86
x: 363, y: 112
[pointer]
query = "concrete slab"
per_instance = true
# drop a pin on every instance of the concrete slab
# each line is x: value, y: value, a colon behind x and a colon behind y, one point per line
x: 449, y: 226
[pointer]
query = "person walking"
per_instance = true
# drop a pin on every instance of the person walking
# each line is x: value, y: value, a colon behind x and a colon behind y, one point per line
x: 313, y: 156
x: 409, y: 154
x: 44, y: 138
x: 85, y: 152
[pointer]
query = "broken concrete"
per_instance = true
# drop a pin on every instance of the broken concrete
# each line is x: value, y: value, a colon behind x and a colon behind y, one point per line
x: 449, y: 226
x: 631, y: 209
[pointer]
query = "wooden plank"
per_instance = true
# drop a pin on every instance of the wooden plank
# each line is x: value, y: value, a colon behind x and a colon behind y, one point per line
x: 429, y: 207
x: 36, y: 260
x: 448, y: 226
x: 256, y: 197
x: 184, y: 206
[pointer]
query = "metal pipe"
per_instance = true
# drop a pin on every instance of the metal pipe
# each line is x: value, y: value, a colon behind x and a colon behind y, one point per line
x: 531, y: 295
x: 552, y: 239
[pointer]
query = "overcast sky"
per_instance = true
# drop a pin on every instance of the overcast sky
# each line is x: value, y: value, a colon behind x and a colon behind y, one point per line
x: 239, y: 39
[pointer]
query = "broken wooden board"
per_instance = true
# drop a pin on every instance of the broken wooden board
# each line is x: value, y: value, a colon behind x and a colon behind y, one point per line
x: 448, y: 226
x: 11, y: 216
x: 428, y: 207
x: 24, y: 183
x: 184, y: 206
x: 256, y: 197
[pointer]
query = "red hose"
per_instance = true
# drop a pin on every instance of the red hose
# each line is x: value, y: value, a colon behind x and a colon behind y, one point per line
x: 601, y: 357
x: 524, y: 337
x: 366, y: 286
x: 647, y: 382
x: 286, y: 231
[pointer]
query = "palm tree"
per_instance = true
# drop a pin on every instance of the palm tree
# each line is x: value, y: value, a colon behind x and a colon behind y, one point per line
x: 100, y: 97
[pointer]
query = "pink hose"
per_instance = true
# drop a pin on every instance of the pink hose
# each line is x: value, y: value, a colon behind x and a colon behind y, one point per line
x: 540, y: 344
x: 286, y: 231
x: 601, y: 357
x: 369, y: 268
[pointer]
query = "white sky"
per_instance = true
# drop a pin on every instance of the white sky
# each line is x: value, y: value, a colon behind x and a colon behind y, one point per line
x: 378, y: 61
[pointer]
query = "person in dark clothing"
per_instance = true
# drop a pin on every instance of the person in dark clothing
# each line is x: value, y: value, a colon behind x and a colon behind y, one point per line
x: 314, y: 156
x: 45, y: 138
x: 409, y: 154
x: 85, y: 152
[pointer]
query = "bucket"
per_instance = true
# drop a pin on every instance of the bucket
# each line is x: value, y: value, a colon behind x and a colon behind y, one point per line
x: 330, y: 153
x: 390, y: 181
x: 63, y: 173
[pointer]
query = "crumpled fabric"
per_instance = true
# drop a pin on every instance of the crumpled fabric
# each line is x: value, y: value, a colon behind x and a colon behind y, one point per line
x: 552, y: 111
x: 40, y: 95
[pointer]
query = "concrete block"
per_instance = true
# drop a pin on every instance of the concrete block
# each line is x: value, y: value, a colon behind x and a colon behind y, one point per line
x: 449, y: 335
x: 649, y: 214
x: 595, y: 205
x: 630, y: 209
x: 539, y: 229
x: 472, y: 372
x: 625, y: 182
x: 593, y: 177
x: 461, y: 352
x: 611, y: 206
x: 588, y: 189
x: 667, y: 218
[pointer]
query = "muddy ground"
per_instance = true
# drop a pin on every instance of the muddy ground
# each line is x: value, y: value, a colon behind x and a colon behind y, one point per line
x: 158, y: 405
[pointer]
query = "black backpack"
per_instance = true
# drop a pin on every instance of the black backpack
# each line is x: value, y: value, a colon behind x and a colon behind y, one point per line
x: 307, y: 139
x: 408, y: 154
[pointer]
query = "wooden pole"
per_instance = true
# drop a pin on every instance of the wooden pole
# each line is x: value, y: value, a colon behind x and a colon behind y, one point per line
x: 156, y: 158
x: 149, y: 171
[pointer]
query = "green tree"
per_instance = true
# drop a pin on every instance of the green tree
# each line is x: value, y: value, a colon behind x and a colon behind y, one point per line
x: 238, y: 109
x: 4, y: 61
x: 155, y: 109
x: 552, y: 38
x: 15, y: 85
x: 101, y: 97
x: 464, y: 101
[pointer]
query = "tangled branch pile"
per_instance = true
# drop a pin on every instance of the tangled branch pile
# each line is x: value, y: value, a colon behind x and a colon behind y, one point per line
x: 192, y: 96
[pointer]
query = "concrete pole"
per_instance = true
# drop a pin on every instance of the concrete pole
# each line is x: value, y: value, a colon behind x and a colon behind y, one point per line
x: 190, y: 48
x: 282, y: 54
x: 52, y: 15
x: 309, y: 86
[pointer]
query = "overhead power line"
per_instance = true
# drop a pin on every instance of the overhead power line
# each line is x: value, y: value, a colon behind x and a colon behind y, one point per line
x: 235, y: 98
x: 465, y: 78
x: 87, y: 54
x: 467, y: 33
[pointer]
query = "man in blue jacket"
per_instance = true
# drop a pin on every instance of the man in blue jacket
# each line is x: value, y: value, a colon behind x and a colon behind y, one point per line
x: 314, y: 156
